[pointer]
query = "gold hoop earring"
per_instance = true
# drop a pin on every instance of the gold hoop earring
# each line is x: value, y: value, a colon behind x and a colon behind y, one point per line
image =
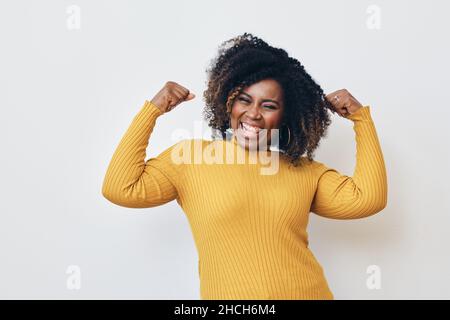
x: 289, y: 136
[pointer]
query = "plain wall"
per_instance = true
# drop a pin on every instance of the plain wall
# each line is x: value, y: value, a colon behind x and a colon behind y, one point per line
x: 69, y: 91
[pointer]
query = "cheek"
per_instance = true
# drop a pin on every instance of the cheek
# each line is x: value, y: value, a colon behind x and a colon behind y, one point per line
x: 273, y: 120
x: 236, y: 111
x: 234, y: 119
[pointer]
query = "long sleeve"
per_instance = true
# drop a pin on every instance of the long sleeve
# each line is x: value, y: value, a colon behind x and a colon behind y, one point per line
x: 132, y: 182
x: 342, y: 197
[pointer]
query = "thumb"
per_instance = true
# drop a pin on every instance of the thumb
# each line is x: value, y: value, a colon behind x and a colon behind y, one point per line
x: 190, y: 96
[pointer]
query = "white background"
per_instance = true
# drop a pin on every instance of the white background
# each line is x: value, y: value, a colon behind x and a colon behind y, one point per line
x: 68, y: 95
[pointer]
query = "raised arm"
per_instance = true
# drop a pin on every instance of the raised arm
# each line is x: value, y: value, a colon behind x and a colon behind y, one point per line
x: 342, y: 197
x: 132, y: 182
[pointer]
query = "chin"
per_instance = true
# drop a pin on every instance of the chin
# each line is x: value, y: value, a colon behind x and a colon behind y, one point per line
x: 259, y: 142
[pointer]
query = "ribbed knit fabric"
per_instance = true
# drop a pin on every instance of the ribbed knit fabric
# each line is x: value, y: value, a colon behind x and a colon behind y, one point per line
x: 250, y: 229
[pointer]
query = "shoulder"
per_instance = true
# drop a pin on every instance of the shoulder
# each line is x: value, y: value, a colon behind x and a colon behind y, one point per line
x: 185, y: 148
x: 191, y: 142
x: 317, y: 168
x: 303, y: 165
x: 304, y: 161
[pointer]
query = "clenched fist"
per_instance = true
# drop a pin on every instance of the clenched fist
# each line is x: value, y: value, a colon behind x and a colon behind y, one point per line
x: 171, y: 95
x: 343, y: 102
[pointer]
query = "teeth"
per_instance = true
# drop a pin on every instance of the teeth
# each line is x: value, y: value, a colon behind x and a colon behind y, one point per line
x: 249, y: 127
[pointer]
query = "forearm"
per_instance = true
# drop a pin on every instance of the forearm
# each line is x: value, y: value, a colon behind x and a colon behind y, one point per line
x: 370, y: 175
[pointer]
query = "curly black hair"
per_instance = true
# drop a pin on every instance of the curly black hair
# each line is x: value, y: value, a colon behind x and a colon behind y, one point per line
x: 247, y: 59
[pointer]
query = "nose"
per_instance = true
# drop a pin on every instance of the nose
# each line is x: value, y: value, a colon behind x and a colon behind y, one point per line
x: 253, y: 112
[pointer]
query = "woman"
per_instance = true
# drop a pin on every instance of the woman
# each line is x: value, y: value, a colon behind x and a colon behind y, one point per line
x: 250, y: 228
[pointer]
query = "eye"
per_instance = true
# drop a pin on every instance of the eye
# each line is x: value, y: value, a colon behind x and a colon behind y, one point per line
x: 242, y: 99
x: 270, y: 107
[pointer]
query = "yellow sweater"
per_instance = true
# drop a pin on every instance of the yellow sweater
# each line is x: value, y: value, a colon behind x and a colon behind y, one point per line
x: 249, y: 228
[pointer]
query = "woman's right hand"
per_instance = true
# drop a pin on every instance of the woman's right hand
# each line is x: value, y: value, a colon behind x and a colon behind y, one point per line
x: 171, y: 95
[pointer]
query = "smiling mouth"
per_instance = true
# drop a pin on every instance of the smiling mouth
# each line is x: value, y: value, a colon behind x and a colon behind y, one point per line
x: 248, y: 128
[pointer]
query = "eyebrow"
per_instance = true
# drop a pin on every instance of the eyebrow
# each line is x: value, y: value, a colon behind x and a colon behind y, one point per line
x: 263, y: 100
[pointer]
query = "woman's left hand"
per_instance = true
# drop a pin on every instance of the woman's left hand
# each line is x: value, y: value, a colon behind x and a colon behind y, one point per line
x: 343, y: 102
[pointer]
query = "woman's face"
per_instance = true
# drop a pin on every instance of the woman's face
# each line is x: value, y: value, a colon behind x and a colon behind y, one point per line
x: 259, y: 106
